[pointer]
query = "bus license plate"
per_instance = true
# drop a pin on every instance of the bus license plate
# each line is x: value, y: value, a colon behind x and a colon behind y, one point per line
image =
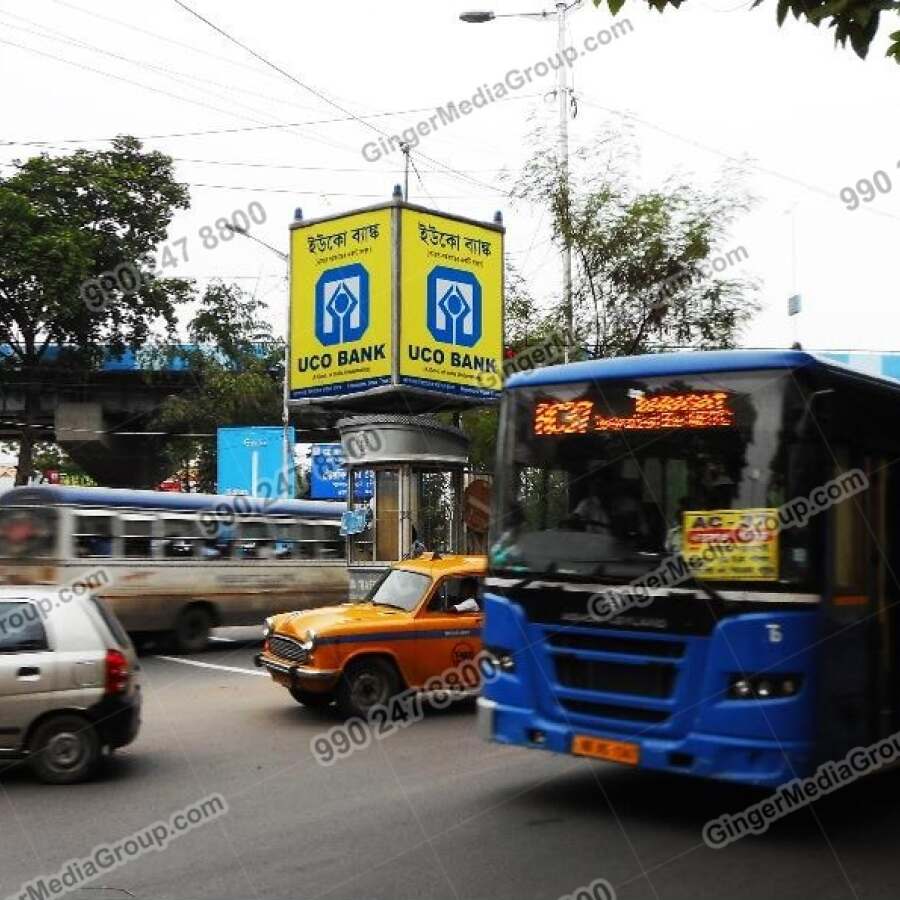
x: 612, y: 751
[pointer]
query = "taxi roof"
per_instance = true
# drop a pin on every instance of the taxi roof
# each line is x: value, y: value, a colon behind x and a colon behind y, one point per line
x: 449, y: 564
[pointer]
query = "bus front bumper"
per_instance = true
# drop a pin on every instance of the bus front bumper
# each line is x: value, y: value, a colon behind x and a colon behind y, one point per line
x: 760, y: 763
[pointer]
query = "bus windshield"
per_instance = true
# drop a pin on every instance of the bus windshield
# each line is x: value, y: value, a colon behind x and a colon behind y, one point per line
x: 607, y: 479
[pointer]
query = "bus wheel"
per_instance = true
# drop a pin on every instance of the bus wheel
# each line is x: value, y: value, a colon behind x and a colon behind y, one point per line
x: 311, y: 699
x: 366, y: 684
x: 192, y: 629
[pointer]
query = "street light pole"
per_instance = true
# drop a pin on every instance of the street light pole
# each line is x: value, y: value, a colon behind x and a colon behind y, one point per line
x: 563, y: 98
x: 562, y: 91
x: 286, y: 461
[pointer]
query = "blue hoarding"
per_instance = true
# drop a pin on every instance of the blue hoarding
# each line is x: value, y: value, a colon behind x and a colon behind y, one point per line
x: 250, y: 462
x: 328, y: 477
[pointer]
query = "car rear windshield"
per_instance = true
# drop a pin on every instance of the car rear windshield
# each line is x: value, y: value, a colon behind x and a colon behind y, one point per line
x: 111, y: 622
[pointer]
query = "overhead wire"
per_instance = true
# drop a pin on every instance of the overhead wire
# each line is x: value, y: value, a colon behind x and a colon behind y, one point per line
x: 317, y: 93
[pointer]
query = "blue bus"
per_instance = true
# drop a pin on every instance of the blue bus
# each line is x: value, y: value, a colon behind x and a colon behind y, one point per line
x: 693, y: 563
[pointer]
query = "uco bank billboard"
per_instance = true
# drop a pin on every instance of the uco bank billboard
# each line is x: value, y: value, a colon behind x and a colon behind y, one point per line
x: 396, y: 299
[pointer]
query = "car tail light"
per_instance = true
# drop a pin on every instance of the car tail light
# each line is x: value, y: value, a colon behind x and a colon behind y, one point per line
x: 117, y: 672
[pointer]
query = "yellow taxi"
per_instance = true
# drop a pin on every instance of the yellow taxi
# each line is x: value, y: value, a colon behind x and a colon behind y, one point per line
x: 420, y: 620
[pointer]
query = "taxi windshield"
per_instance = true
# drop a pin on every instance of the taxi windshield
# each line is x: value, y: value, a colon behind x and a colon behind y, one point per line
x: 400, y: 589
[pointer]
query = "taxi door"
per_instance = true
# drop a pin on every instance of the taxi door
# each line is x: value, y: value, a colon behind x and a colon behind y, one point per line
x: 448, y: 637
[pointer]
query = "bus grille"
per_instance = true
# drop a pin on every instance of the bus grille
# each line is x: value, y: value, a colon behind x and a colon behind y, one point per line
x: 653, y: 680
x: 287, y: 648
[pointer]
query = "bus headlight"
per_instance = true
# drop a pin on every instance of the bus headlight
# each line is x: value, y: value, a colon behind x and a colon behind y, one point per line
x: 763, y: 687
x: 500, y: 658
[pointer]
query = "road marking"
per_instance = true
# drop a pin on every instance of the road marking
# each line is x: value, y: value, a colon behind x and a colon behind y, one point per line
x: 204, y: 665
x: 224, y: 639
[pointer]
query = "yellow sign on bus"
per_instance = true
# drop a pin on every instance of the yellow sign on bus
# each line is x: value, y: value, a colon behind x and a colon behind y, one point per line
x: 731, y: 544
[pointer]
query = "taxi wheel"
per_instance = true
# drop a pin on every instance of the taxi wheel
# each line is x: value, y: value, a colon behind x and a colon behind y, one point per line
x: 366, y: 684
x: 311, y: 699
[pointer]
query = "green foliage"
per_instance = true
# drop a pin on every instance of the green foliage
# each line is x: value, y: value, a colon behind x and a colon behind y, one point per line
x: 67, y: 219
x: 236, y: 369
x: 642, y: 277
x: 856, y: 21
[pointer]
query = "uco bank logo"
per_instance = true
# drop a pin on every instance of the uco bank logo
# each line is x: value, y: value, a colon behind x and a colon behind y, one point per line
x: 454, y: 306
x: 342, y: 304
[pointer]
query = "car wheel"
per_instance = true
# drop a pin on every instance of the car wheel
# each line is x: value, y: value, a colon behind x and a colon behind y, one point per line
x: 192, y: 630
x: 311, y: 699
x: 64, y: 750
x: 365, y: 685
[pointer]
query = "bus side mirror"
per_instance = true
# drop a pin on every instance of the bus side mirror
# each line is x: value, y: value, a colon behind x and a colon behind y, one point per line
x: 818, y: 406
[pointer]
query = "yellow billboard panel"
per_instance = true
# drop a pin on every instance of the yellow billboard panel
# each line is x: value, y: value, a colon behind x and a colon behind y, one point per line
x: 731, y: 544
x: 341, y: 290
x: 451, y: 305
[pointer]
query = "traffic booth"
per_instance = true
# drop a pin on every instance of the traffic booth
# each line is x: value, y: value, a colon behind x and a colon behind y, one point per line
x: 417, y: 466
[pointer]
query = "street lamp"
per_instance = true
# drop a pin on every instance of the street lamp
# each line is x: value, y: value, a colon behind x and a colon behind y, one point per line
x: 563, y: 93
x: 286, y: 456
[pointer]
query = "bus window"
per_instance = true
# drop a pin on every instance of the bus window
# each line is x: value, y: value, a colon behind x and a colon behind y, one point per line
x: 330, y: 544
x: 219, y: 539
x: 92, y: 535
x: 285, y: 543
x: 180, y: 538
x: 255, y: 541
x: 310, y: 540
x: 137, y: 534
x: 27, y: 532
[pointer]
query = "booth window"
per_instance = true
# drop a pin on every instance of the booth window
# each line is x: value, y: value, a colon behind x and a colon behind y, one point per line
x: 387, y: 514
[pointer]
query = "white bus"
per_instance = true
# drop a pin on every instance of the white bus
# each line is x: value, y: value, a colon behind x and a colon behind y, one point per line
x: 176, y: 565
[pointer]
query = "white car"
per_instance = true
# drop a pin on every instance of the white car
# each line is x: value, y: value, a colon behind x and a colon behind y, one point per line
x: 69, y: 685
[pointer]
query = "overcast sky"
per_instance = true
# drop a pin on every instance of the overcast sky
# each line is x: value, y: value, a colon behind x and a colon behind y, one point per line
x: 711, y: 82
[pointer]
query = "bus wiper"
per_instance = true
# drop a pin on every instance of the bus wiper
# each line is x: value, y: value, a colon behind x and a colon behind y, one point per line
x: 695, y: 582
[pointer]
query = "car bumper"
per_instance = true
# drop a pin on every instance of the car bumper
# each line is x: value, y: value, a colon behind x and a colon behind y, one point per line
x: 117, y: 719
x: 297, y: 676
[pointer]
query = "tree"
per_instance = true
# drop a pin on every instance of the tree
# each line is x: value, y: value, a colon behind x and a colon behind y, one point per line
x: 648, y: 266
x: 856, y: 21
x: 65, y: 221
x: 237, y: 374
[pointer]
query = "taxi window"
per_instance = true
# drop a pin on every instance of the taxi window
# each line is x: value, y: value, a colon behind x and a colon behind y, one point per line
x: 452, y: 591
